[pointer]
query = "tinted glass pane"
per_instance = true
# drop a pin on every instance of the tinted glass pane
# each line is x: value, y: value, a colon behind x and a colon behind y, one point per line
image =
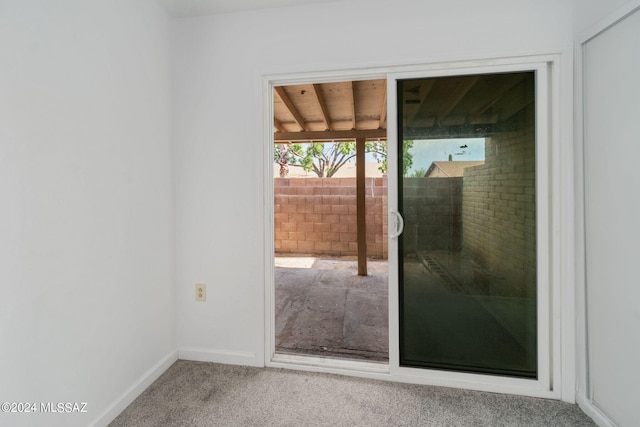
x: 468, y: 250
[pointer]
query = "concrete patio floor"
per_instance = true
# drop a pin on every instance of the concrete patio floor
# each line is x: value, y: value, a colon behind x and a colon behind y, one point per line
x: 323, y: 308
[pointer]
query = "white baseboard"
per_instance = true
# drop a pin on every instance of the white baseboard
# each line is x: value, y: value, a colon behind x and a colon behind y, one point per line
x: 592, y: 411
x: 244, y: 358
x: 135, y: 390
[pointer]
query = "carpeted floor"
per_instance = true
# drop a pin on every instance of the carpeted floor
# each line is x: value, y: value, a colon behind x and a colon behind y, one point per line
x: 209, y: 394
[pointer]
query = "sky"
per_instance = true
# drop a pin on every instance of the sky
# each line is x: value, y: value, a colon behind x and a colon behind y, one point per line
x: 427, y: 151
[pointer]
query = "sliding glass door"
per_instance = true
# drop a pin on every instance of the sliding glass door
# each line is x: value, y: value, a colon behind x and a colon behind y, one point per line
x: 467, y: 193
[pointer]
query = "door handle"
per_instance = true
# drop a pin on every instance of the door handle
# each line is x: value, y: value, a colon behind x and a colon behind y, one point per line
x: 399, y: 224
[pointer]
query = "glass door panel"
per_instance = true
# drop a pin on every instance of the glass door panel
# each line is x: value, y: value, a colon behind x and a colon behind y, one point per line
x: 467, y: 255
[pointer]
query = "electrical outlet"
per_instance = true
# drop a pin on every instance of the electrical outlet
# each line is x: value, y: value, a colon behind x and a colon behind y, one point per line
x: 201, y: 292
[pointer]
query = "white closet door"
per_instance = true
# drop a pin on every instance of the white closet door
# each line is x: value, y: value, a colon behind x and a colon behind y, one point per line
x: 612, y: 197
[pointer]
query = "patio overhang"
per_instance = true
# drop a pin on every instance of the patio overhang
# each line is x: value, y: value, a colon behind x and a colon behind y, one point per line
x: 435, y: 108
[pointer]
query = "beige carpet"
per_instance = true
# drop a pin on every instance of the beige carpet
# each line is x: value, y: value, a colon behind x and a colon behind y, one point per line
x: 209, y: 394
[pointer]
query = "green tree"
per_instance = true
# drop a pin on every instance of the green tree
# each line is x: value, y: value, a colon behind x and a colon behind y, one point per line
x: 418, y: 173
x: 326, y: 159
x: 323, y: 159
x: 379, y: 151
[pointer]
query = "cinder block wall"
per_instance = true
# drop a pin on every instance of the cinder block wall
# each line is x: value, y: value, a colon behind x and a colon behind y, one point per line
x: 432, y: 213
x: 499, y: 212
x: 317, y: 216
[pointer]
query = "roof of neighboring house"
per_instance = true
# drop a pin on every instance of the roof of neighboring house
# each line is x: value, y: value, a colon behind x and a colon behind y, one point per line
x: 346, y: 171
x: 452, y: 168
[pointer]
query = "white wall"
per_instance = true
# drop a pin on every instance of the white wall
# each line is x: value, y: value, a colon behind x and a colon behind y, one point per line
x: 218, y: 62
x: 86, y: 205
x: 589, y: 12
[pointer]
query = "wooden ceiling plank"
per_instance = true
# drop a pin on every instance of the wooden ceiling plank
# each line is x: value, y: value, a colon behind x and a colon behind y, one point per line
x: 278, y: 125
x: 517, y: 105
x: 331, y: 135
x: 383, y: 107
x: 292, y: 109
x: 515, y: 99
x: 352, y: 106
x: 323, y: 106
x: 426, y: 87
x: 497, y: 94
x: 457, y: 96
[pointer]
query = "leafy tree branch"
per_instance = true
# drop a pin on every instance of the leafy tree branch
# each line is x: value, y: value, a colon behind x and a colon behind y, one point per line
x: 326, y: 159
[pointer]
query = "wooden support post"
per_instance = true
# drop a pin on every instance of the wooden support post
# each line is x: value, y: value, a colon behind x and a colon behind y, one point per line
x: 361, y: 207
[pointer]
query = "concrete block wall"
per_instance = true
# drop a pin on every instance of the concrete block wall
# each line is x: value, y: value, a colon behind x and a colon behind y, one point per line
x: 432, y: 213
x: 499, y: 212
x: 317, y: 216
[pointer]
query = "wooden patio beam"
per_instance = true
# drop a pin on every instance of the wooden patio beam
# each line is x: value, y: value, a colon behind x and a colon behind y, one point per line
x: 292, y: 108
x: 278, y: 125
x: 383, y: 107
x: 352, y: 101
x: 331, y: 135
x: 323, y: 106
x: 524, y: 96
x: 497, y: 95
x: 361, y: 207
x: 480, y: 130
x: 457, y: 96
x: 426, y: 89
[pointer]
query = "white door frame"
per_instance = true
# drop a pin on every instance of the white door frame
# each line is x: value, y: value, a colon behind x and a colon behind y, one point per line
x: 551, y: 339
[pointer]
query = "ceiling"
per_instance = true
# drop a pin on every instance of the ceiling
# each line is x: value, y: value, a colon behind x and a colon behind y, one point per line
x: 447, y: 107
x: 182, y: 8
